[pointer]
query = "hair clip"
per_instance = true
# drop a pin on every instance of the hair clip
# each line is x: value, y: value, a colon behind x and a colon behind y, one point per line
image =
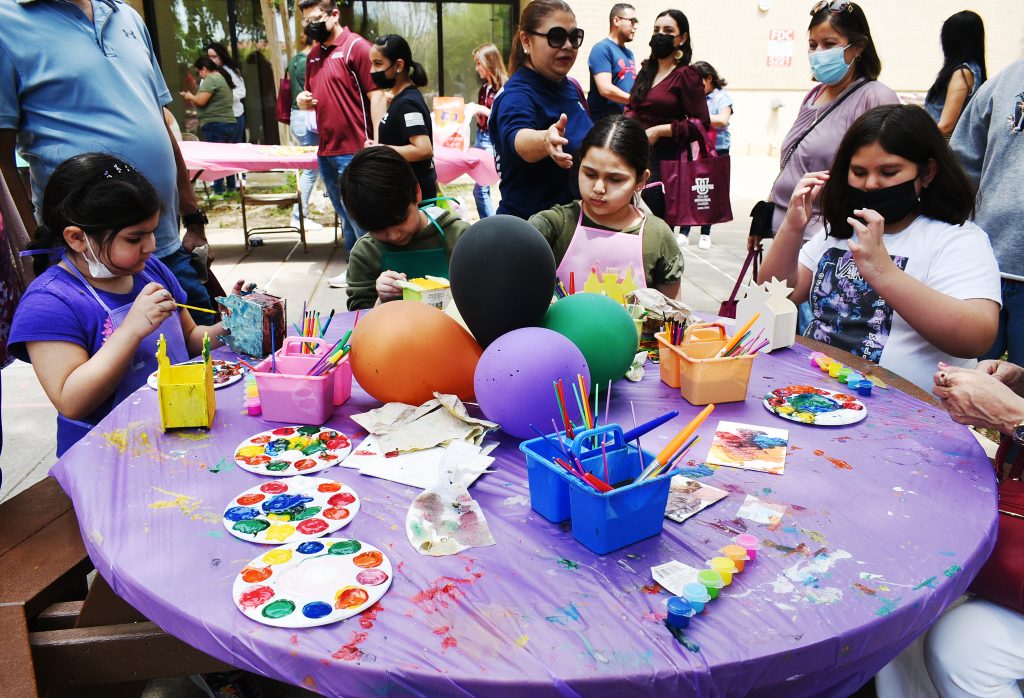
x: 119, y: 169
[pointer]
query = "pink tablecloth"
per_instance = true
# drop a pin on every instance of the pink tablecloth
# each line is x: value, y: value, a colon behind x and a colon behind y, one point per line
x: 215, y: 160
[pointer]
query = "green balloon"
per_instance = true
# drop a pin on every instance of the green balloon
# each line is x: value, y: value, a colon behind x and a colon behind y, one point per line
x: 600, y: 328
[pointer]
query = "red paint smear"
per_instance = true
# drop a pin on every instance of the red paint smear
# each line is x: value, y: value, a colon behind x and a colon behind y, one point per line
x: 351, y: 651
x: 294, y: 639
x: 865, y: 589
x: 391, y: 454
x: 651, y: 589
x: 367, y: 617
x: 441, y: 630
x: 449, y: 642
x: 363, y: 452
x: 443, y: 591
x: 841, y: 464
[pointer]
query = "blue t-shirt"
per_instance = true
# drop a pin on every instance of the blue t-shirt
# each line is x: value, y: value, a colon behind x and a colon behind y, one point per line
x: 608, y: 57
x: 530, y: 101
x: 57, y: 307
x: 718, y: 100
x: 98, y: 88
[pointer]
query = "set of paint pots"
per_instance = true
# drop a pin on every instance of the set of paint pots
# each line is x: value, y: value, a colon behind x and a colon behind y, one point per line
x: 697, y: 595
x: 844, y: 374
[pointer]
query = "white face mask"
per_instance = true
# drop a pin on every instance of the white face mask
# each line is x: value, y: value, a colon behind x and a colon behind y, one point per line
x: 97, y: 269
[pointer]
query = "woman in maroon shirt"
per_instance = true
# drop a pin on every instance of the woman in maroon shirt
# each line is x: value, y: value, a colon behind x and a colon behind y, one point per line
x: 667, y: 93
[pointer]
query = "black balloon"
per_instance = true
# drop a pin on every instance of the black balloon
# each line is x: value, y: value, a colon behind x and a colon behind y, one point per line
x: 503, y: 275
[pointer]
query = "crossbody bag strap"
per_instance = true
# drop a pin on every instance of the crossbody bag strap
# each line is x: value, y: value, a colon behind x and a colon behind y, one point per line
x: 751, y: 257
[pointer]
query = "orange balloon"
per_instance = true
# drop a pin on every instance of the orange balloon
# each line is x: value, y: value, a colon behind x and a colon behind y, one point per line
x: 403, y: 351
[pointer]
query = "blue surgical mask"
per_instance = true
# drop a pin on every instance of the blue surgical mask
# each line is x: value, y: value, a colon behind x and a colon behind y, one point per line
x: 828, y: 66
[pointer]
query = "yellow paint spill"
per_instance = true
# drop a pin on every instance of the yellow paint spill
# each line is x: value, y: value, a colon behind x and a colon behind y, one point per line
x: 96, y: 537
x: 815, y: 536
x: 194, y: 436
x: 522, y: 640
x: 118, y: 439
x: 186, y: 504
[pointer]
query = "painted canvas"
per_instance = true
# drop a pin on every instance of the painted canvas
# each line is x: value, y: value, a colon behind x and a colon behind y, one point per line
x: 686, y: 497
x: 749, y: 447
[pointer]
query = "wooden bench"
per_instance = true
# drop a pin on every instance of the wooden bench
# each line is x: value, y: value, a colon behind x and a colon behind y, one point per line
x: 64, y: 636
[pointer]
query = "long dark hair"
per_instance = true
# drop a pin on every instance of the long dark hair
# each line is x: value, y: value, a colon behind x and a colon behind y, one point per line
x: 852, y: 23
x: 97, y: 192
x: 963, y: 41
x: 394, y: 48
x: 529, y: 21
x: 705, y: 69
x: 205, y: 62
x: 224, y: 56
x: 645, y: 78
x: 624, y: 137
x: 907, y: 131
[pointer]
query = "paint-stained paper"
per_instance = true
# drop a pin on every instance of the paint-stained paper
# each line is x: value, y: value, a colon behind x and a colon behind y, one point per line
x: 404, y: 428
x: 686, y: 497
x: 749, y: 447
x: 444, y: 519
x: 418, y: 468
x: 762, y: 512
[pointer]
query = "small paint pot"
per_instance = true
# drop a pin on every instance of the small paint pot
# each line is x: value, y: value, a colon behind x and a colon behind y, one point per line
x: 815, y: 356
x: 697, y: 594
x: 834, y: 368
x: 863, y: 387
x: 844, y: 374
x: 253, y: 408
x: 680, y: 611
x: 712, y: 581
x: 725, y: 567
x: 750, y: 543
x: 823, y: 362
x: 736, y: 553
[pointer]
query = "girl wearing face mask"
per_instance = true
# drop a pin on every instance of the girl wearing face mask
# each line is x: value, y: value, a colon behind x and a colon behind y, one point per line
x: 899, y: 275
x: 846, y: 66
x: 406, y: 125
x: 89, y: 324
x: 667, y: 93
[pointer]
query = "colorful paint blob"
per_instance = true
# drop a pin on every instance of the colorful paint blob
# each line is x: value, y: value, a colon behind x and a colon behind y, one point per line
x: 291, y: 450
x: 293, y: 509
x: 299, y: 576
x: 341, y: 499
x: 810, y: 405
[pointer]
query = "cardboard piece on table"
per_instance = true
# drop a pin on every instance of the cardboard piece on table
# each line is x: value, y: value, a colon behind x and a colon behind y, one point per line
x: 749, y: 447
x: 777, y: 321
x: 416, y: 469
x: 249, y: 319
x: 687, y: 497
x: 185, y: 392
x: 444, y: 519
x: 403, y: 428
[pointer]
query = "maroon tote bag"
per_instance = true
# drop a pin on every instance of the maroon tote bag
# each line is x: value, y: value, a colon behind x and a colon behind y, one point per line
x: 697, y: 190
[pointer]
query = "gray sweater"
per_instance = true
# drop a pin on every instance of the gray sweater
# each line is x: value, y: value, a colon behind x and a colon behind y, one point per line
x: 989, y: 140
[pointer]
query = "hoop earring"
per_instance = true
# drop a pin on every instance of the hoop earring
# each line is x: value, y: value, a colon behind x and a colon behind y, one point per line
x: 678, y: 55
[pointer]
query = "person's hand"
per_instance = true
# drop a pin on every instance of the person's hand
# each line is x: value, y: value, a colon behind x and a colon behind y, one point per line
x: 369, y: 143
x: 387, y: 285
x: 153, y: 305
x: 978, y: 398
x: 241, y: 288
x: 801, y: 203
x: 1010, y: 375
x: 868, y: 249
x: 554, y: 139
x: 305, y: 100
x: 755, y: 243
x: 187, y: 96
x: 195, y: 236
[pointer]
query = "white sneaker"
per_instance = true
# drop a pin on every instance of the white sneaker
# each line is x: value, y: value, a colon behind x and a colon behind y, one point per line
x: 682, y: 240
x: 310, y: 223
x: 705, y: 242
x: 339, y: 281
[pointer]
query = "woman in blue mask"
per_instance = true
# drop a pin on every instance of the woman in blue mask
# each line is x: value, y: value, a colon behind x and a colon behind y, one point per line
x: 899, y: 275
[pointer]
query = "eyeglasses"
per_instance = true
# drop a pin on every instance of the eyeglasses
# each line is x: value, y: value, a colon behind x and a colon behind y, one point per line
x: 834, y: 6
x: 557, y: 36
x: 632, y: 20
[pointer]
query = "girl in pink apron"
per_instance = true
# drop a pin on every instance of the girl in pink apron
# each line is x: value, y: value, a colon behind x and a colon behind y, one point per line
x: 603, y: 242
x: 89, y: 324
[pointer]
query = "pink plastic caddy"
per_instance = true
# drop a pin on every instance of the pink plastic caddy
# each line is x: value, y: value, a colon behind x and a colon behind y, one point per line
x: 290, y: 395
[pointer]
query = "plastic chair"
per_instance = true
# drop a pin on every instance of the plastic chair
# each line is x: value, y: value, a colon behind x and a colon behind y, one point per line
x: 266, y: 181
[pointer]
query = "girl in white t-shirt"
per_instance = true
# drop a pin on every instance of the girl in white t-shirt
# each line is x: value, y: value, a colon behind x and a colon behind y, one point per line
x: 899, y: 275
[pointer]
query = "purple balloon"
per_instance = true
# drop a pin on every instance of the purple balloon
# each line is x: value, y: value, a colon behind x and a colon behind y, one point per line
x: 513, y: 380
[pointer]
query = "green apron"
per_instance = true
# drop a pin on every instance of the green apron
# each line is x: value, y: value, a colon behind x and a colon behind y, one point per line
x: 416, y: 264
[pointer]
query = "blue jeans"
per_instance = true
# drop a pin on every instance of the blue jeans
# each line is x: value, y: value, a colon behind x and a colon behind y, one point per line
x: 484, y: 203
x: 180, y: 264
x: 331, y: 167
x: 1010, y: 337
x: 239, y: 129
x: 221, y: 132
x: 307, y: 179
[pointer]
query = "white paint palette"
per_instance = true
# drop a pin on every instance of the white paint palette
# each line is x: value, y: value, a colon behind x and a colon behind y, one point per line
x: 816, y: 406
x: 296, y: 450
x: 292, y: 509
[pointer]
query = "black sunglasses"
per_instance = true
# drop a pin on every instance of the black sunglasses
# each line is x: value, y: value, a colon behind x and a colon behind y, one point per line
x: 557, y: 36
x: 834, y: 6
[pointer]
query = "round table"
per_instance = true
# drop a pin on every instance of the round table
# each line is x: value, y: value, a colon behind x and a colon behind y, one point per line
x: 886, y: 522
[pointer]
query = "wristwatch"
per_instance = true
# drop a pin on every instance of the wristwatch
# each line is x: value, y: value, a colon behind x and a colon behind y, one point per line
x: 197, y: 217
x: 1018, y: 434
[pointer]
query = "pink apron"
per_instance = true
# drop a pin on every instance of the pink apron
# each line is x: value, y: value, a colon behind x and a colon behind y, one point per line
x: 603, y: 261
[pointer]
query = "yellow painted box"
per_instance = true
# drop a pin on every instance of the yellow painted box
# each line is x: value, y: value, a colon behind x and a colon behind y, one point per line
x: 185, y: 392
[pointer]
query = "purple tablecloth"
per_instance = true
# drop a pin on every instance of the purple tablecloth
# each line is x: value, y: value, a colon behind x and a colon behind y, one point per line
x: 887, y: 522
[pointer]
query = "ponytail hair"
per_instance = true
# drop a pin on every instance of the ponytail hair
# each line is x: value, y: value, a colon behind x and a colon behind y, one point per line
x: 533, y: 15
x: 396, y: 48
x: 205, y: 62
x: 97, y: 192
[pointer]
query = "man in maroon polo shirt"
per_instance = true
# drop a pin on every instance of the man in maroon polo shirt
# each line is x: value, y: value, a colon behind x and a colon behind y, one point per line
x: 348, y: 105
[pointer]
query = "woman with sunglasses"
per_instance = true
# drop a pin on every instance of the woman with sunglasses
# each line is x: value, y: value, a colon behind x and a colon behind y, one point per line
x: 539, y: 118
x: 667, y: 93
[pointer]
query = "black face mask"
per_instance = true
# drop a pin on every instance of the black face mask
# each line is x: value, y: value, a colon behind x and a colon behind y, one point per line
x: 892, y: 203
x: 380, y: 79
x: 662, y: 45
x: 318, y: 31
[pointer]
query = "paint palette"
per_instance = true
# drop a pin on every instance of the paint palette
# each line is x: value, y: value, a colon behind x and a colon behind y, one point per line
x: 294, y: 509
x: 316, y: 582
x: 225, y: 373
x: 809, y: 405
x: 298, y: 450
